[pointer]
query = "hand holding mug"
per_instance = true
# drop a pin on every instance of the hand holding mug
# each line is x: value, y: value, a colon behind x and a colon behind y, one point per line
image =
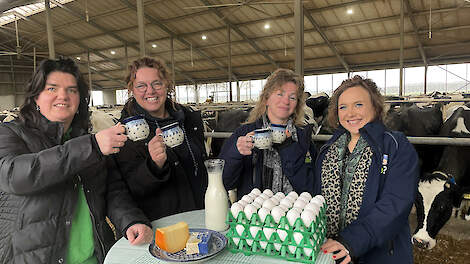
x: 111, y: 139
x: 245, y: 143
x: 157, y: 149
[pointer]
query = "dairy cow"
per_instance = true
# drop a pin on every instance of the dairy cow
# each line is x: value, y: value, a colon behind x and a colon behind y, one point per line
x: 443, y: 189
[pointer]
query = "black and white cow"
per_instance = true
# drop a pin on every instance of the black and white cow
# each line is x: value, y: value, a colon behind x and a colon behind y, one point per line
x: 418, y: 121
x: 443, y: 189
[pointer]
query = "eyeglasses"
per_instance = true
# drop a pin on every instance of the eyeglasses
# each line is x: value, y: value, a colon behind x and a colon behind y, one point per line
x: 156, y: 85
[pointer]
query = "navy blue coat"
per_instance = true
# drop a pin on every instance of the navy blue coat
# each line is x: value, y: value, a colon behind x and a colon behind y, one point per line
x: 381, y: 233
x: 238, y: 170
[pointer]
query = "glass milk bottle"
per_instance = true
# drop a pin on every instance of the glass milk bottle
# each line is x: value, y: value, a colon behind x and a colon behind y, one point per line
x: 216, y: 199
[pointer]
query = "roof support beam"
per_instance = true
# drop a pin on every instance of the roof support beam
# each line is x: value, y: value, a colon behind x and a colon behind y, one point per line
x: 241, y: 34
x: 299, y: 37
x: 327, y: 41
x: 415, y: 29
x: 179, y: 38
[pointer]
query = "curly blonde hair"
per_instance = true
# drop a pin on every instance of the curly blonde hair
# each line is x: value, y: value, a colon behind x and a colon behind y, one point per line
x: 147, y: 62
x: 274, y: 82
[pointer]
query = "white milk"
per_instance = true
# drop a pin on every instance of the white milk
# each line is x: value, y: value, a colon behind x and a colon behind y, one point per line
x: 216, y: 202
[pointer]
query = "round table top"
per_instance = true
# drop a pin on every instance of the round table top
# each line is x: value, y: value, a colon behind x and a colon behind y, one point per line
x: 124, y: 253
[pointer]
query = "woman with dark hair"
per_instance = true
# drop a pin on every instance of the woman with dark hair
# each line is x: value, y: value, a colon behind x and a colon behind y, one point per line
x: 284, y: 167
x: 55, y: 188
x: 163, y: 180
x: 368, y: 177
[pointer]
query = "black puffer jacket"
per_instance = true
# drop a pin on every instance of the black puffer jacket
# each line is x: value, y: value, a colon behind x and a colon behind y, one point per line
x: 39, y: 180
x: 180, y: 185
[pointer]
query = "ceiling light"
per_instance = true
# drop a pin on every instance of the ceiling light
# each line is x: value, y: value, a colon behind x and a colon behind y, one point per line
x: 154, y: 45
x: 204, y: 37
x: 267, y: 26
x: 113, y: 52
x: 350, y: 11
x: 78, y: 58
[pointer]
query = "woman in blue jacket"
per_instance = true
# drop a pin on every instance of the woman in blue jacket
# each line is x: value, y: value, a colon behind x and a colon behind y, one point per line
x: 368, y: 177
x: 284, y: 167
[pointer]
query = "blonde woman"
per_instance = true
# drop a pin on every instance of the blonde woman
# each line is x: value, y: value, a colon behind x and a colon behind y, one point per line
x: 283, y: 167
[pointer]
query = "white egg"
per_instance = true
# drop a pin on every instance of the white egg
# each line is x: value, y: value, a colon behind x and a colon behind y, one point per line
x: 242, y: 203
x: 268, y: 204
x: 308, y: 251
x: 240, y: 229
x: 254, y: 230
x: 316, y: 201
x: 259, y: 200
x: 310, y: 206
x: 286, y: 202
x: 256, y: 191
x: 264, y: 196
x: 252, y: 196
x: 307, y: 217
x: 290, y: 198
x: 292, y: 249
x: 277, y: 246
x: 300, y: 203
x: 297, y: 209
x: 302, y: 198
x: 292, y: 215
x: 247, y: 198
x: 236, y: 240
x: 283, y: 207
x: 268, y: 192
x: 282, y: 234
x: 249, y: 242
x: 277, y: 212
x: 275, y: 200
x: 306, y: 195
x: 249, y: 210
x: 263, y: 244
x: 263, y: 212
x: 280, y: 195
x: 298, y: 237
x: 268, y: 232
x: 321, y: 198
x: 293, y: 194
x: 235, y: 209
x: 256, y: 205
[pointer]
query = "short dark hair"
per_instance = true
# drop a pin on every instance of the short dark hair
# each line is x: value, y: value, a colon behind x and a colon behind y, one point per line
x: 37, y: 83
x: 370, y: 86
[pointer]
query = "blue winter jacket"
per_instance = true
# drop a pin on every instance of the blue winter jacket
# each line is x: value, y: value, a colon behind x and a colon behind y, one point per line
x: 238, y: 170
x: 381, y: 233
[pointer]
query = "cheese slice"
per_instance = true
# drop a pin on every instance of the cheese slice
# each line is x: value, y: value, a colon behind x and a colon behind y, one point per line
x: 198, y: 243
x: 172, y: 238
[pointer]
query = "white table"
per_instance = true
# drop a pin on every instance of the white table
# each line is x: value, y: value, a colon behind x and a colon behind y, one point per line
x: 124, y: 253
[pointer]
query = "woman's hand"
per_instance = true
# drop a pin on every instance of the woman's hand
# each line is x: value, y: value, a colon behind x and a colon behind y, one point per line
x: 111, y: 139
x: 332, y: 246
x: 139, y: 234
x: 245, y: 144
x: 157, y: 149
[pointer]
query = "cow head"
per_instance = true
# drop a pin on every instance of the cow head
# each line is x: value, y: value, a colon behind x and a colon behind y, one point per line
x: 438, y: 193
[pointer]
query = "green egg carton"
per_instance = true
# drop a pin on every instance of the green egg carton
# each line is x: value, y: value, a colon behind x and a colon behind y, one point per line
x: 295, y: 242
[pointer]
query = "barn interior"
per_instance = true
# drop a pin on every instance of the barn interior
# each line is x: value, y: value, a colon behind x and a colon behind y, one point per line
x: 217, y: 49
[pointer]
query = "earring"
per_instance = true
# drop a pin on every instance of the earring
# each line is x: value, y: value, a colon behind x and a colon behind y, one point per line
x: 37, y: 108
x: 78, y: 111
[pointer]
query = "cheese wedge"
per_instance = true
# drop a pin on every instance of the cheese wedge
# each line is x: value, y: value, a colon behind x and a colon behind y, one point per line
x: 172, y: 238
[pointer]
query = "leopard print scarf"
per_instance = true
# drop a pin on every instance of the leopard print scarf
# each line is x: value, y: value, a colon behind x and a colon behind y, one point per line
x: 343, y: 182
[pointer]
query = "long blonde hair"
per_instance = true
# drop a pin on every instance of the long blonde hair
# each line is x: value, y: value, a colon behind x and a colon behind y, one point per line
x: 274, y: 82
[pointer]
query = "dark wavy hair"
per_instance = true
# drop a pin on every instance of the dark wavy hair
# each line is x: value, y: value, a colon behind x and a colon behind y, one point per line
x: 37, y: 83
x: 370, y: 86
x: 147, y: 62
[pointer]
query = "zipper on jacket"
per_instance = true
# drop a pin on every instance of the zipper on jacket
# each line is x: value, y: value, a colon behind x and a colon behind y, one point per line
x: 390, y: 247
x: 190, y: 151
x: 93, y: 219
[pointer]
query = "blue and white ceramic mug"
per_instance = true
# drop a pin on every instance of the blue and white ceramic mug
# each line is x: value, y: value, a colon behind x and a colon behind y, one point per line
x: 279, y: 133
x: 136, y: 128
x: 262, y: 138
x: 173, y: 135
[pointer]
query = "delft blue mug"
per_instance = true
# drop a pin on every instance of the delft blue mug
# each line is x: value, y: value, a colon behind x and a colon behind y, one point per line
x: 136, y: 128
x: 172, y: 134
x: 262, y: 138
x: 279, y: 133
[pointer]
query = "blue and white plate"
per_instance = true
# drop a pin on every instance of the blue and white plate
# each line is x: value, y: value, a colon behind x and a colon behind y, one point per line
x: 218, y: 243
